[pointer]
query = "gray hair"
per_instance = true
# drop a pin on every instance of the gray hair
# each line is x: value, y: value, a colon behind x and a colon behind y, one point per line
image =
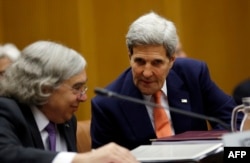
x: 10, y: 51
x: 152, y: 29
x: 41, y: 64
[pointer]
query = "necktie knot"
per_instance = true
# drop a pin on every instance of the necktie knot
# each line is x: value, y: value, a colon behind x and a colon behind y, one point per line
x: 51, y: 128
x: 157, y: 97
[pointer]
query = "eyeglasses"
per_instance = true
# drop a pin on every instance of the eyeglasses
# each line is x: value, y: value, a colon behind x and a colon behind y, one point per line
x: 78, y: 90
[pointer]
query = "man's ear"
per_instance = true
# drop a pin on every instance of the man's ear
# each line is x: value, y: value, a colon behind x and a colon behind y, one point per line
x: 172, y: 59
x: 129, y: 54
x: 47, y: 89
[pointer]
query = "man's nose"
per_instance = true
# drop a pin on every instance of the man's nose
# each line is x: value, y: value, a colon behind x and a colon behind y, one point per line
x: 82, y: 97
x: 147, y: 72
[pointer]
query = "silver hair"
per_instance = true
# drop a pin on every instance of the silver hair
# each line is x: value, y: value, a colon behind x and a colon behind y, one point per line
x: 10, y: 51
x: 41, y: 64
x: 152, y: 29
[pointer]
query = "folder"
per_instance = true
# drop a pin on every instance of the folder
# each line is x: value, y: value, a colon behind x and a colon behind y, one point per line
x: 176, y: 152
x: 211, y: 136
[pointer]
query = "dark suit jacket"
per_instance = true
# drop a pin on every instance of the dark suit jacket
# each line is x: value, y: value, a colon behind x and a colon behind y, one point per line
x: 128, y: 123
x: 20, y: 139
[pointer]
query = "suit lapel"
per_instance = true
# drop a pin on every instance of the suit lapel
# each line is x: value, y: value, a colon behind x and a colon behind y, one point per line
x: 67, y: 131
x: 178, y: 97
x: 136, y: 114
x: 31, y: 123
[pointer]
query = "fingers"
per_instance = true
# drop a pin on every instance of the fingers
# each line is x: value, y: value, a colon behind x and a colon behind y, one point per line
x: 110, y: 153
x: 117, y: 154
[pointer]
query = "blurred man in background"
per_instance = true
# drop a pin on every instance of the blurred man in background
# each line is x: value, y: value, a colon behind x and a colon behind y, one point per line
x: 9, y: 53
x: 179, y: 52
x: 241, y: 90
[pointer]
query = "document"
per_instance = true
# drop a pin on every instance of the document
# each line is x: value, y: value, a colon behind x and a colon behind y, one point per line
x: 237, y: 139
x: 176, y: 152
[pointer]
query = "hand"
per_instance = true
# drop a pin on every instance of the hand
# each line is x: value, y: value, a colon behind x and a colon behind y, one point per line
x: 110, y: 153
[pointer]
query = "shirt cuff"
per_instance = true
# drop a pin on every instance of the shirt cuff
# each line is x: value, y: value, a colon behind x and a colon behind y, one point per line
x: 64, y: 157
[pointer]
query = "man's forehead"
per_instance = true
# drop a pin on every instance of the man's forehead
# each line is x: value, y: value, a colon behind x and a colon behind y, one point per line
x: 79, y: 78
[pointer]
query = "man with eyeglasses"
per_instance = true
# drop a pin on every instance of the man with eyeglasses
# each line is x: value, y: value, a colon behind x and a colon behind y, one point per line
x: 40, y: 93
x: 78, y: 89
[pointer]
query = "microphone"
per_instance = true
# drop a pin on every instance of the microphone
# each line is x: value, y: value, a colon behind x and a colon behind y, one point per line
x: 107, y: 93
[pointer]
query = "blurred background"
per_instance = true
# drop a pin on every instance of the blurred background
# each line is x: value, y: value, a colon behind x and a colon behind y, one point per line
x: 215, y: 31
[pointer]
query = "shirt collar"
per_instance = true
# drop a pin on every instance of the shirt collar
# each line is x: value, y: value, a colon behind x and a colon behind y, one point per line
x: 41, y: 120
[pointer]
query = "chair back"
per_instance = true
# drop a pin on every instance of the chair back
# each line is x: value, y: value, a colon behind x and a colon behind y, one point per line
x: 83, y: 136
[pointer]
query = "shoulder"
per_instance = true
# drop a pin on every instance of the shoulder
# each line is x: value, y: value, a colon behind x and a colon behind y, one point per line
x: 7, y: 101
x: 11, y: 109
x: 9, y: 105
x: 188, y: 65
x: 190, y: 70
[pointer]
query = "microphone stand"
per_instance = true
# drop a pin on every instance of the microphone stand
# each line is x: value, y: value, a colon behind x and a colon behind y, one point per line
x: 107, y: 93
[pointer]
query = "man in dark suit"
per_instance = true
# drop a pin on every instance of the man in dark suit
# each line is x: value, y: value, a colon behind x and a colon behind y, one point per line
x: 44, y: 87
x: 185, y: 84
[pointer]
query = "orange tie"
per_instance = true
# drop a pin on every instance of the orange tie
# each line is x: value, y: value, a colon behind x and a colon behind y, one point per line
x: 161, y: 120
